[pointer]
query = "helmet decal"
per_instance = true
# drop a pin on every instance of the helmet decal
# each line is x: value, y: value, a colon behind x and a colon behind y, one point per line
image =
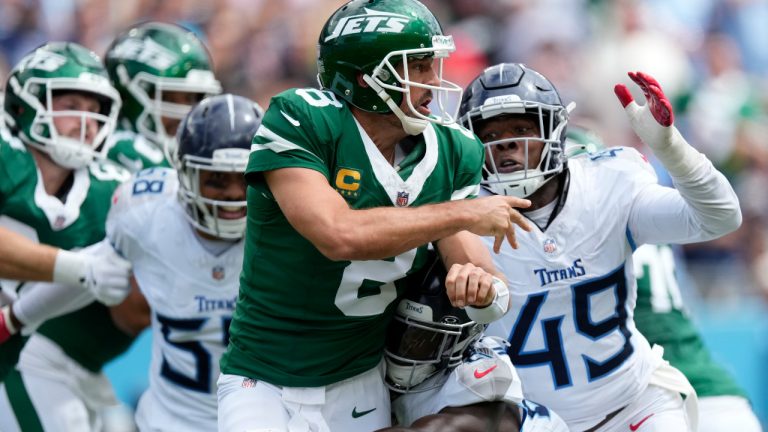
x: 371, y: 21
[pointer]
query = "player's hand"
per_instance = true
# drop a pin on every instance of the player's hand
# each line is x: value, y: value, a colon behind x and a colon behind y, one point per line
x: 98, y: 269
x: 107, y: 276
x: 651, y: 122
x: 497, y: 217
x: 469, y: 285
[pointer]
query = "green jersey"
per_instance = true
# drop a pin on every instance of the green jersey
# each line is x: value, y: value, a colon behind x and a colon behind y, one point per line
x: 87, y: 335
x: 660, y: 316
x: 303, y: 320
x: 135, y: 152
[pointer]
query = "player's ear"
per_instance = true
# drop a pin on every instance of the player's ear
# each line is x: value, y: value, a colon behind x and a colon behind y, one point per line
x: 360, y: 80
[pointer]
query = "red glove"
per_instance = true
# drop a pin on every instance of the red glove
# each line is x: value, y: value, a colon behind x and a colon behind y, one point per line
x: 659, y: 105
x: 653, y: 123
x: 7, y: 329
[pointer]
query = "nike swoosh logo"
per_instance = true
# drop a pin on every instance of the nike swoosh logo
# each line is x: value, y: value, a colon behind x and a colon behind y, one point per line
x: 356, y: 414
x: 479, y: 374
x: 634, y: 427
x: 290, y: 119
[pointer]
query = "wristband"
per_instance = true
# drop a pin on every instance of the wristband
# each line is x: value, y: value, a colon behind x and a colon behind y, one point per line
x: 496, y: 309
x: 69, y: 268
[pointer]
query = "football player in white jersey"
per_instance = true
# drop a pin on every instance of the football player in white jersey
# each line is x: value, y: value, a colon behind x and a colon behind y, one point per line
x: 662, y: 317
x: 572, y: 287
x: 187, y: 254
x: 449, y: 377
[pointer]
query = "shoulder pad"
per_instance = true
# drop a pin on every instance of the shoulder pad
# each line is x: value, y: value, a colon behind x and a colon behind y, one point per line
x: 151, y: 184
x: 620, y: 159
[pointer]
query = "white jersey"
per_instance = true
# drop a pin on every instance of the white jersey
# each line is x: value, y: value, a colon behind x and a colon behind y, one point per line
x: 485, y: 375
x: 191, y: 293
x: 573, y: 292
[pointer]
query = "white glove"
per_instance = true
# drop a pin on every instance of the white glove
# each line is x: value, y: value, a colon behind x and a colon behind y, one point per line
x: 653, y: 123
x: 101, y: 271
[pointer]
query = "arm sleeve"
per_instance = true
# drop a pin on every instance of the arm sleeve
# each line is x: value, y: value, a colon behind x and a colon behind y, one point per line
x: 703, y: 207
x: 42, y: 301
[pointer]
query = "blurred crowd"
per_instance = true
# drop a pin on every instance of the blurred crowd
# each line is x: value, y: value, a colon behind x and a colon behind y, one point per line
x: 709, y: 55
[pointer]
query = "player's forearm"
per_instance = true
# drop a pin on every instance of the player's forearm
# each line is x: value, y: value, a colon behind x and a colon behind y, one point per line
x: 23, y: 259
x: 466, y: 247
x: 385, y: 231
x: 711, y: 200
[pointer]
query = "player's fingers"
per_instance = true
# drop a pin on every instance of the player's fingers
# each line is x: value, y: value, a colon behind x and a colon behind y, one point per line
x: 485, y: 290
x: 473, y: 284
x: 517, y: 202
x: 511, y: 237
x: 518, y: 219
x: 622, y: 92
x: 450, y: 281
x: 661, y: 108
x: 647, y: 79
x: 497, y: 243
x: 638, y: 78
x: 457, y: 290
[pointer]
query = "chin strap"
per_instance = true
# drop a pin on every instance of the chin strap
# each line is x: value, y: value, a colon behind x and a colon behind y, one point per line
x: 411, y: 126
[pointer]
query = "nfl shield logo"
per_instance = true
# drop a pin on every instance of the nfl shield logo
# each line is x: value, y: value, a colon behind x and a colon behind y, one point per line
x: 550, y: 246
x: 218, y: 273
x: 59, y: 222
x: 402, y: 199
x: 248, y: 383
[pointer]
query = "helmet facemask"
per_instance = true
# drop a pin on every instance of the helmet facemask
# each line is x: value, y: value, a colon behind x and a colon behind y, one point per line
x: 386, y: 79
x: 204, y: 213
x: 150, y: 92
x: 70, y: 152
x: 552, y: 120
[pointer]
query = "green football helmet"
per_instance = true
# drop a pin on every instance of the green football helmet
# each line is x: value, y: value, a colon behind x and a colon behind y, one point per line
x: 370, y: 38
x: 50, y: 70
x: 150, y: 60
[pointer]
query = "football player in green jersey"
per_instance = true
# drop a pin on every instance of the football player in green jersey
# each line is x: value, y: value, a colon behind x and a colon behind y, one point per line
x: 660, y: 315
x: 59, y: 108
x: 161, y: 71
x: 347, y: 185
x: 23, y: 259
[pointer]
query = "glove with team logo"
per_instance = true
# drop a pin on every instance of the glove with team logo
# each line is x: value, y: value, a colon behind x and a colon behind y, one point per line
x: 653, y: 123
x: 104, y: 273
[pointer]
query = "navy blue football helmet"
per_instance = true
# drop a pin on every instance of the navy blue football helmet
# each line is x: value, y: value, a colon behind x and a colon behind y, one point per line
x: 515, y: 89
x: 428, y: 334
x: 215, y: 136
